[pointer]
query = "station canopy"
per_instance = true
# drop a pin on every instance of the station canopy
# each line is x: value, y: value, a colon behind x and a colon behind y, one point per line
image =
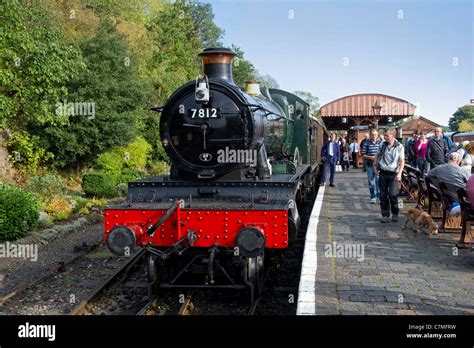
x: 365, y: 109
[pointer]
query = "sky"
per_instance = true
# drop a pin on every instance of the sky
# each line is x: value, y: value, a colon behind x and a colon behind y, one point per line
x: 417, y: 50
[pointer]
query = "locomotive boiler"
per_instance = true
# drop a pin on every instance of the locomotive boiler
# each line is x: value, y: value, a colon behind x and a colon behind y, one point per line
x: 242, y: 162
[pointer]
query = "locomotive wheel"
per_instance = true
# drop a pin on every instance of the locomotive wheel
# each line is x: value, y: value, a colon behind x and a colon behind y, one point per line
x: 256, y: 273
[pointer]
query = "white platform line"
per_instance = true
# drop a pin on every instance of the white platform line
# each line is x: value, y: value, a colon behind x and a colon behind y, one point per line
x: 306, y: 290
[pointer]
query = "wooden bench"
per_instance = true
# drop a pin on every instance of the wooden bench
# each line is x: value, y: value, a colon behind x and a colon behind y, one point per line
x: 404, y: 186
x: 434, y: 199
x: 410, y: 183
x: 449, y: 195
x: 467, y: 219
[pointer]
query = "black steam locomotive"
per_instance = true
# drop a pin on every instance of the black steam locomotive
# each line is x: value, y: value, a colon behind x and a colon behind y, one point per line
x: 241, y: 164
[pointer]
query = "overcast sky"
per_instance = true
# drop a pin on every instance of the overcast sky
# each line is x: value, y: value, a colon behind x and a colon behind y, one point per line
x: 420, y: 51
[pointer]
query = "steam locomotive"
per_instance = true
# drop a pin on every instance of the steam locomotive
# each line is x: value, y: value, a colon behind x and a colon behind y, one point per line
x: 242, y: 163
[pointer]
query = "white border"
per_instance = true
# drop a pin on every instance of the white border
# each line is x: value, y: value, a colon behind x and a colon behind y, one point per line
x: 306, y: 290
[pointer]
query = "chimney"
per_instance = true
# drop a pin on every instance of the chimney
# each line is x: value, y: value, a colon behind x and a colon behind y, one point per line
x: 218, y: 64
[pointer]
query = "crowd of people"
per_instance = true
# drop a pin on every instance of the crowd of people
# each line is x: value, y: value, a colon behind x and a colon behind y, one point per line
x: 384, y: 159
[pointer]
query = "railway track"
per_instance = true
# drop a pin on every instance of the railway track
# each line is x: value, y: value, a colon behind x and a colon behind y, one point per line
x: 84, y: 307
x: 59, y: 267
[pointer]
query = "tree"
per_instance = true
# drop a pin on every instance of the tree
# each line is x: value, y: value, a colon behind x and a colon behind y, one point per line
x: 175, y: 59
x: 208, y: 32
x: 35, y: 66
x: 268, y: 81
x: 311, y: 99
x: 118, y: 97
x: 466, y: 126
x: 242, y: 69
x: 72, y: 17
x: 463, y: 113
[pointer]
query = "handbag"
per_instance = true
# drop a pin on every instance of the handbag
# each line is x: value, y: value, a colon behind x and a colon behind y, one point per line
x: 338, y: 168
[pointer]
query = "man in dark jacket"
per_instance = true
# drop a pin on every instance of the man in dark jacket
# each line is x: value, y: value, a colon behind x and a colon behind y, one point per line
x: 330, y: 157
x: 362, y: 145
x: 437, y: 149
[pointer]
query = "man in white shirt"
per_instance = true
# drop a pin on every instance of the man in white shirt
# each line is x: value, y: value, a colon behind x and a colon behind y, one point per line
x: 355, y: 151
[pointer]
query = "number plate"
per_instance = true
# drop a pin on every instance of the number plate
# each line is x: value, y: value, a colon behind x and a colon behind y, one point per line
x: 204, y: 113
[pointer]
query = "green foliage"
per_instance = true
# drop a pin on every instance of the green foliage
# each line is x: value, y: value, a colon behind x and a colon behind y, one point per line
x: 122, y: 189
x: 130, y: 174
x: 98, y: 185
x: 46, y: 185
x: 466, y: 126
x: 111, y: 162
x: 129, y: 159
x: 136, y: 154
x: 79, y: 203
x: 208, y: 32
x: 158, y: 168
x: 465, y: 112
x: 26, y: 151
x: 149, y: 127
x: 18, y: 212
x: 174, y: 59
x: 112, y: 84
x: 35, y: 66
x: 62, y: 215
x: 242, y: 69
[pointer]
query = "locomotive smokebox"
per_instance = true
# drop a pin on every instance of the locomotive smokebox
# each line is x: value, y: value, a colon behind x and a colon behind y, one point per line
x: 218, y: 64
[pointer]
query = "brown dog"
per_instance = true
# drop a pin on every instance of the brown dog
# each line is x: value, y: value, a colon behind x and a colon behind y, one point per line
x: 418, y: 218
x: 412, y: 215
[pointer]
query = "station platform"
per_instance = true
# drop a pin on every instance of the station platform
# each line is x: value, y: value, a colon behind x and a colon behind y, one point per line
x: 355, y: 265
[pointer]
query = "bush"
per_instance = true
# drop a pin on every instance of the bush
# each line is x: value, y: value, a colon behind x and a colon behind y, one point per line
x: 122, y: 189
x: 62, y: 215
x: 136, y: 154
x: 129, y: 174
x: 58, y: 204
x: 47, y: 185
x: 84, y: 211
x: 78, y: 203
x: 94, y: 202
x: 158, y: 168
x: 18, y: 212
x: 111, y: 162
x: 26, y: 152
x: 98, y: 184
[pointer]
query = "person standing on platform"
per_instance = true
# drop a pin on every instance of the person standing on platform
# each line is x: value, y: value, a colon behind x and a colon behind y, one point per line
x: 437, y: 149
x: 354, y: 147
x: 389, y: 164
x: 330, y: 157
x: 345, y: 150
x: 447, y: 139
x: 369, y: 151
x: 421, y: 145
x: 410, y: 150
x: 362, y: 144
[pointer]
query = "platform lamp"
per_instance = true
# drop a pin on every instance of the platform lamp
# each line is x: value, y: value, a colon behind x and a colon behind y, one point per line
x: 376, y: 108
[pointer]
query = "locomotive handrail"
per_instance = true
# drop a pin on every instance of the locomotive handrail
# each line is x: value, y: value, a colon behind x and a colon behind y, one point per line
x: 165, y: 217
x: 268, y: 112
